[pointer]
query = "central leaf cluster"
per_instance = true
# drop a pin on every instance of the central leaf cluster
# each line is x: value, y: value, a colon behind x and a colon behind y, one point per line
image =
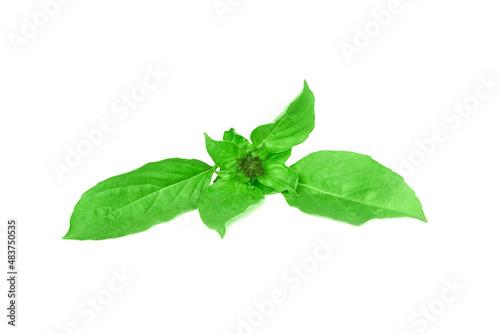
x: 251, y: 166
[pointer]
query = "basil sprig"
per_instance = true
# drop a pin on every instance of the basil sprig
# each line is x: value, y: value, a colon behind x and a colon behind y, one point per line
x: 343, y: 186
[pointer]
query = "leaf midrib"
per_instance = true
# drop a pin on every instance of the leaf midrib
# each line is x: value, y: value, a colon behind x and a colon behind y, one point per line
x: 159, y: 190
x: 219, y: 146
x: 278, y: 124
x: 351, y: 200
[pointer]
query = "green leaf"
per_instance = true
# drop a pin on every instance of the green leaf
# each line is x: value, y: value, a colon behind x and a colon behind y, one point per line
x: 352, y: 188
x: 225, y: 154
x: 224, y: 201
x: 232, y: 136
x: 133, y: 202
x: 291, y: 127
x: 279, y: 177
x: 279, y: 157
x: 224, y: 175
x: 265, y: 189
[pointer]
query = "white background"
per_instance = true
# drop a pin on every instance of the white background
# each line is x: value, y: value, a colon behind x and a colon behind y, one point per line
x: 241, y: 71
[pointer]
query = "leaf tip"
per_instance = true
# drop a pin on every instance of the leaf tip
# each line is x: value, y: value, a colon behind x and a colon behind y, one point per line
x: 306, y: 85
x: 222, y: 232
x: 208, y: 139
x: 67, y: 236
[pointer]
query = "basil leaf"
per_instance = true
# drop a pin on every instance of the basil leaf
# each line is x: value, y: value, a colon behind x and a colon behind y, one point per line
x: 233, y: 136
x: 224, y: 201
x: 279, y: 157
x: 224, y: 175
x: 279, y: 177
x: 352, y: 188
x: 262, y: 153
x: 225, y: 154
x: 133, y: 202
x: 265, y: 189
x: 291, y: 127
